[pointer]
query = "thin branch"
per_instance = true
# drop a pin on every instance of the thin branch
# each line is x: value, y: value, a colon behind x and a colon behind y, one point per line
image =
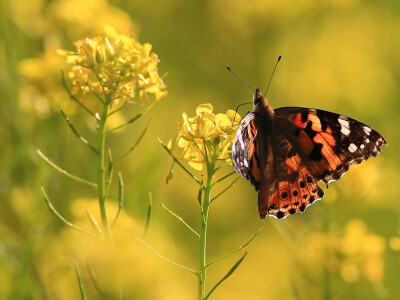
x: 134, y: 118
x: 110, y: 172
x: 83, y: 296
x: 201, y: 151
x: 222, y: 178
x: 98, y: 79
x: 118, y: 109
x: 166, y: 259
x: 62, y: 171
x: 230, y: 272
x: 136, y: 143
x: 237, y: 250
x: 225, y: 189
x: 61, y: 218
x: 64, y: 83
x: 97, y: 96
x: 77, y: 134
x: 177, y: 161
x: 91, y: 272
x: 200, y: 193
x: 94, y: 222
x: 120, y: 198
x: 148, y: 218
x: 174, y: 215
x: 205, y: 152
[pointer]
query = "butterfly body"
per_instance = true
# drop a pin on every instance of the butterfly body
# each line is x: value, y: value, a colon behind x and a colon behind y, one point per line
x: 286, y: 151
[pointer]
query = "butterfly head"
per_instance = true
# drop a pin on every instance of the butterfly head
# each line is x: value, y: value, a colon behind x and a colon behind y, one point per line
x: 258, y: 97
x: 260, y: 104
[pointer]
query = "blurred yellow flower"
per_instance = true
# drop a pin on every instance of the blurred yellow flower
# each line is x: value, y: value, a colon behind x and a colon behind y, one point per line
x: 116, y: 66
x: 394, y: 242
x: 356, y: 252
x: 205, y: 134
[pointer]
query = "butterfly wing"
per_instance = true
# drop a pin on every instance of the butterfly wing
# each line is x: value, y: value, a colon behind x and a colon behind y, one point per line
x: 328, y: 143
x: 244, y: 151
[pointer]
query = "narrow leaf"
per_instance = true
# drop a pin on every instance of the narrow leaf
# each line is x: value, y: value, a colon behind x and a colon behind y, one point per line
x: 148, y: 218
x: 83, y: 296
x: 62, y: 171
x: 166, y: 259
x: 61, y: 218
x: 136, y: 144
x: 94, y: 222
x: 223, y: 177
x: 174, y: 215
x: 135, y: 118
x: 121, y: 195
x: 64, y: 83
x: 252, y: 238
x: 230, y: 272
x: 177, y: 161
x: 225, y: 189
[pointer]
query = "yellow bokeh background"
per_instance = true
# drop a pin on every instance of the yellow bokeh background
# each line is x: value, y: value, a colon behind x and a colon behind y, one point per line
x: 338, y: 55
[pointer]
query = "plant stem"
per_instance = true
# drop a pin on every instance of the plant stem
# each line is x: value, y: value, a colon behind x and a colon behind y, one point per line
x: 102, y: 170
x: 203, y: 232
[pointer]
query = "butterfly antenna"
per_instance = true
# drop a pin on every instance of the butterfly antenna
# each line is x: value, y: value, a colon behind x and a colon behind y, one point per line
x: 229, y: 69
x: 272, y: 75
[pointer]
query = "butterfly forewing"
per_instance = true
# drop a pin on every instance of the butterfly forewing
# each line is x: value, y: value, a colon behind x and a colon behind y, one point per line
x: 331, y: 143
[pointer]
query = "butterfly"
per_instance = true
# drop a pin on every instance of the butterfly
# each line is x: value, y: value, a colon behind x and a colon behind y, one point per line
x: 284, y: 152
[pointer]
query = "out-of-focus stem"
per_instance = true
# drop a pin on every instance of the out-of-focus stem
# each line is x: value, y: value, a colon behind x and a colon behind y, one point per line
x: 101, y: 168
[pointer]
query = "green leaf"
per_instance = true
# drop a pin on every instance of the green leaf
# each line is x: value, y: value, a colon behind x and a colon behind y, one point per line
x: 227, y: 275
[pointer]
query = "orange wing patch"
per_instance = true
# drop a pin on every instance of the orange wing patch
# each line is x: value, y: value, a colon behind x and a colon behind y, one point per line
x: 297, y: 193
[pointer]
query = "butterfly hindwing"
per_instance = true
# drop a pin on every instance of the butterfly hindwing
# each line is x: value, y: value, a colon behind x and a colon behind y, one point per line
x: 330, y: 143
x: 294, y: 187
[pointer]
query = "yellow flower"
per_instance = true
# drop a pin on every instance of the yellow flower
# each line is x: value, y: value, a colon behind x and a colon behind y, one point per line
x: 356, y: 253
x: 115, y: 65
x: 205, y: 134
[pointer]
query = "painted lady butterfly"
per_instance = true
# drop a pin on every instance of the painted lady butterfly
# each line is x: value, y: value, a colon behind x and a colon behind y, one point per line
x: 286, y: 151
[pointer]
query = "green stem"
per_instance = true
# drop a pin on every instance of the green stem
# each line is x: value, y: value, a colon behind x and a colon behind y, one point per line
x: 101, y: 168
x: 203, y: 231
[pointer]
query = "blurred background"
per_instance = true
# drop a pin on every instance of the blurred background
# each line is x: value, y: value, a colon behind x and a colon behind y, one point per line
x: 338, y: 55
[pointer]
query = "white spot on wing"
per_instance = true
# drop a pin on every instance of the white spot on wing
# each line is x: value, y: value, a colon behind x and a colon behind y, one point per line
x: 344, y: 126
x: 352, y: 148
x: 367, y: 130
x: 343, y: 122
x: 367, y: 141
x: 345, y: 130
x: 362, y: 146
x: 246, y: 164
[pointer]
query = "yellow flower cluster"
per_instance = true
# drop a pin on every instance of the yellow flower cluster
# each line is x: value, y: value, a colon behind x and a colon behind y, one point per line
x: 115, y: 65
x: 205, y: 135
x: 356, y: 252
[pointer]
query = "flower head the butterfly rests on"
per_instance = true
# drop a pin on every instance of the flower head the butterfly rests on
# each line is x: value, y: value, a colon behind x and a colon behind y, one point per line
x: 205, y: 134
